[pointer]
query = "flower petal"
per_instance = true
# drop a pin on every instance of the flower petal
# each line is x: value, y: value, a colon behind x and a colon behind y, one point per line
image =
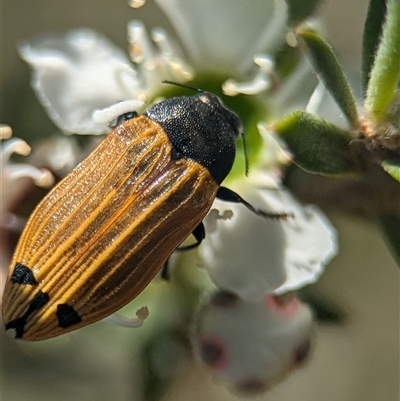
x: 77, y: 74
x: 225, y: 35
x: 245, y: 253
x: 250, y: 255
x: 312, y: 244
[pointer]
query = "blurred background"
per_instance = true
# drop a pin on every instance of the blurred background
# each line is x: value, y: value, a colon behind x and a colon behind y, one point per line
x: 356, y: 356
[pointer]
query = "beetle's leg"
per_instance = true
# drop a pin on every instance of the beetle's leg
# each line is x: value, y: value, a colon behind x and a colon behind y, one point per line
x: 228, y: 195
x: 199, y: 233
x: 165, y: 271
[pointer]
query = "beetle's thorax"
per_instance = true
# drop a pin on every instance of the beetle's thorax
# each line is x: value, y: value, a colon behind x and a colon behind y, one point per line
x: 200, y: 128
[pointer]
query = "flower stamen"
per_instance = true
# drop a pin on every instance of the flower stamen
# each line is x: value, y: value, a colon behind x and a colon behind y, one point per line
x: 42, y: 178
x: 169, y: 51
x: 141, y: 315
x: 136, y: 3
x: 14, y: 145
x: 5, y: 131
x: 258, y: 84
x: 141, y: 49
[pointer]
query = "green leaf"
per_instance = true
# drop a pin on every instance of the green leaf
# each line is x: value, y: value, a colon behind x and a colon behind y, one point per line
x: 287, y: 59
x: 330, y: 72
x: 372, y: 34
x: 301, y: 9
x: 163, y: 358
x: 385, y: 73
x: 392, y: 167
x: 318, y: 146
x: 325, y: 310
x: 390, y: 225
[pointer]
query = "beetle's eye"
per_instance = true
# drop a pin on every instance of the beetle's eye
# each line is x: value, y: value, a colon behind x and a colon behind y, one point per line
x: 122, y: 118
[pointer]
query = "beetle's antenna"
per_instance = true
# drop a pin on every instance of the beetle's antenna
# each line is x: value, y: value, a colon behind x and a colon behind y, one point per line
x: 246, y: 157
x: 165, y: 81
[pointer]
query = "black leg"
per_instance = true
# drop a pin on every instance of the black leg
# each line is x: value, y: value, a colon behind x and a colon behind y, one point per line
x: 199, y: 233
x: 165, y: 271
x: 228, y: 195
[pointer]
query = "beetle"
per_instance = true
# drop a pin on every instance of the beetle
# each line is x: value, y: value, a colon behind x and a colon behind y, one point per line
x: 102, y: 234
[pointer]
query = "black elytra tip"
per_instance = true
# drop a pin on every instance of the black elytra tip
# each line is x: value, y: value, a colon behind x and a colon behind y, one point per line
x: 23, y: 275
x: 18, y: 325
x: 67, y: 316
x: 40, y: 299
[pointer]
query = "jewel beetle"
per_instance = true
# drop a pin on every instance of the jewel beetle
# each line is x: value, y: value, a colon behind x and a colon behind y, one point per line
x: 102, y: 234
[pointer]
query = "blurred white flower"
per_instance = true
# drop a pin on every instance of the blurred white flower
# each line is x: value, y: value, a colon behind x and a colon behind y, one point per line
x: 226, y: 36
x: 14, y: 177
x: 251, y: 345
x: 81, y: 73
x: 60, y: 154
x: 76, y: 74
x: 251, y: 256
x: 15, y: 181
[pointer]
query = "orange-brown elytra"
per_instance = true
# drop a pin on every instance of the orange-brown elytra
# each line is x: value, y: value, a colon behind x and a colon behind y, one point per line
x: 101, y: 235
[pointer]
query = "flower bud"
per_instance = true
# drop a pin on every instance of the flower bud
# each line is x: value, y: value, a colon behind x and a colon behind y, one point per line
x: 250, y: 346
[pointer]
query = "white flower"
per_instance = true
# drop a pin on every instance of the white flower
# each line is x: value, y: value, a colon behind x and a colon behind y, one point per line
x: 250, y: 346
x: 250, y: 255
x: 227, y: 35
x: 14, y: 183
x: 81, y: 73
x: 78, y: 73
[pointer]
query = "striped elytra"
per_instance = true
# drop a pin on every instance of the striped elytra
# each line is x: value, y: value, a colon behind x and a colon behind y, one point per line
x: 102, y: 234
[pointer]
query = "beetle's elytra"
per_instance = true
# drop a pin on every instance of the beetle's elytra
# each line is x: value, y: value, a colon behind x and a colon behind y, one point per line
x: 101, y: 235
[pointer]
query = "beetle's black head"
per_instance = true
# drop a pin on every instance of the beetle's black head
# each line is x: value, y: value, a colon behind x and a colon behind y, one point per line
x: 215, y: 103
x: 200, y: 128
